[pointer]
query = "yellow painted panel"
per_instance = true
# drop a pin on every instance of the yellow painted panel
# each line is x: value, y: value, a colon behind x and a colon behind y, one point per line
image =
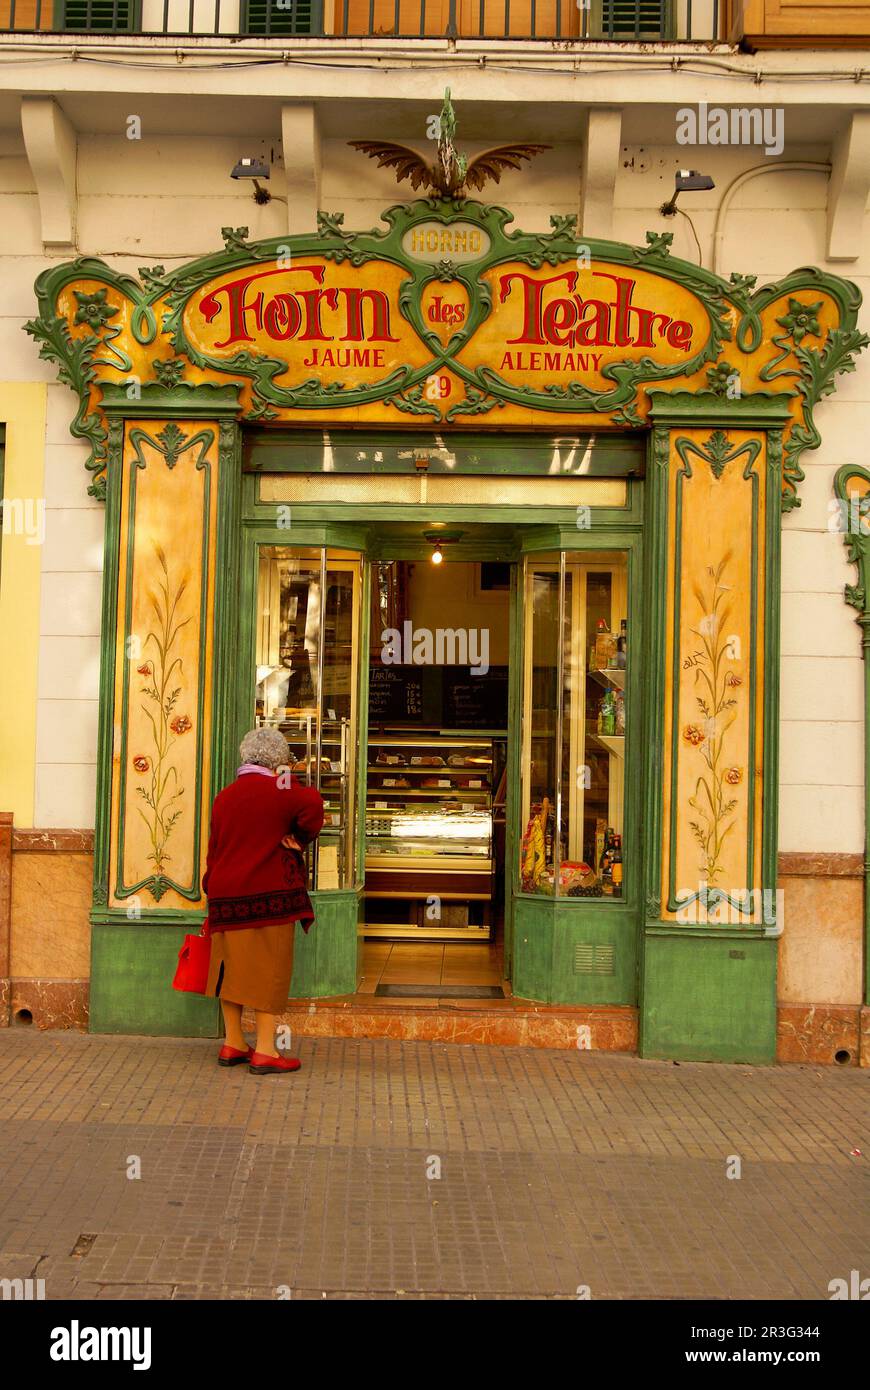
x: 710, y: 605
x: 22, y: 407
x: 160, y: 661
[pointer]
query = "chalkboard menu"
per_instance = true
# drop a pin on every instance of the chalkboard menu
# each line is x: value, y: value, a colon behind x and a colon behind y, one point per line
x: 395, y: 694
x: 474, y: 702
x: 448, y: 697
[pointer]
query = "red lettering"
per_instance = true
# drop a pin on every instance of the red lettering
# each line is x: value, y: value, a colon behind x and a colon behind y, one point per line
x: 533, y: 299
x: 281, y: 318
x: 593, y: 330
x: 558, y: 316
x: 312, y: 299
x: 679, y: 335
x: 356, y: 300
x: 240, y: 307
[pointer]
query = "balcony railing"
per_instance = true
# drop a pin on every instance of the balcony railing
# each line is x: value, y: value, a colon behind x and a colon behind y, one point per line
x: 624, y: 21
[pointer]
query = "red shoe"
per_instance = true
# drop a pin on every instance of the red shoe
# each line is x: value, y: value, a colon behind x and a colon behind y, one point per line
x: 264, y: 1065
x: 232, y: 1056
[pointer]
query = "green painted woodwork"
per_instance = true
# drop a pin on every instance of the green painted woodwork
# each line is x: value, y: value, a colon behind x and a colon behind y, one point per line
x: 709, y: 999
x: 205, y: 401
x: 456, y: 454
x: 108, y: 649
x: 513, y: 766
x: 533, y: 930
x: 156, y: 305
x: 132, y: 965
x: 679, y: 960
x: 543, y: 965
x: 852, y: 491
x: 507, y: 530
x: 653, y: 661
x: 325, y: 961
x: 224, y: 753
x: 699, y: 408
x: 547, y: 933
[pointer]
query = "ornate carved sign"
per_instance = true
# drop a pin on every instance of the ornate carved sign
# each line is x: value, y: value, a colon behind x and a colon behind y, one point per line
x: 445, y: 317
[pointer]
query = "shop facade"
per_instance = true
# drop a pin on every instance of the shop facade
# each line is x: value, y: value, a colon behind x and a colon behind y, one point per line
x: 276, y: 429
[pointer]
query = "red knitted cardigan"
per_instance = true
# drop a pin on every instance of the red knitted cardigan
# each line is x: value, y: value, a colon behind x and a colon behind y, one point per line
x: 251, y: 879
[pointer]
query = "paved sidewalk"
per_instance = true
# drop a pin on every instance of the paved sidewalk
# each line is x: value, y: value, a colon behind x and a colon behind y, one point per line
x: 558, y: 1169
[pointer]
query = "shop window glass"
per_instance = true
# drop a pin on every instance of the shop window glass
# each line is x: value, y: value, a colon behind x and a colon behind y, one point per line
x: 574, y: 722
x: 308, y: 637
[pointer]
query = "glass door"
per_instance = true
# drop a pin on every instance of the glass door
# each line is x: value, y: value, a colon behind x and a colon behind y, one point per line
x: 574, y: 720
x: 308, y: 638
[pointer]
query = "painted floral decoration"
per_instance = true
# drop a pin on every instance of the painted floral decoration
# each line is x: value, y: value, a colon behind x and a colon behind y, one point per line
x: 692, y: 734
x: 712, y: 801
x: 801, y: 319
x: 144, y: 669
x: 141, y: 763
x: 94, y: 309
x: 163, y: 795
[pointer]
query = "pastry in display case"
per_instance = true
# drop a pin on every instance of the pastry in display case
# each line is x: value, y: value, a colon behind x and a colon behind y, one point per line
x: 429, y: 834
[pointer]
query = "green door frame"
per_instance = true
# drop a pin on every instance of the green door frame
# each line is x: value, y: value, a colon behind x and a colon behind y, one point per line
x: 356, y: 527
x: 547, y: 969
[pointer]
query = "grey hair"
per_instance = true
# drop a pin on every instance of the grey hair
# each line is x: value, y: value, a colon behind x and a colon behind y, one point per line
x: 264, y: 748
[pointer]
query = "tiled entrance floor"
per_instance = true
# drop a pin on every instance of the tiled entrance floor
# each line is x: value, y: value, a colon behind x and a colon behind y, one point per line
x: 430, y: 963
x: 506, y: 1021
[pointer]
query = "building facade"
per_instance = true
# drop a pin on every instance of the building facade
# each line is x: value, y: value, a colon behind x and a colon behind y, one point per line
x: 614, y: 379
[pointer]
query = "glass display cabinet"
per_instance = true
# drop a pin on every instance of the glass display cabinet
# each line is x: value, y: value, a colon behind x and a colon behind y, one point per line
x: 574, y: 701
x: 307, y: 651
x: 429, y: 834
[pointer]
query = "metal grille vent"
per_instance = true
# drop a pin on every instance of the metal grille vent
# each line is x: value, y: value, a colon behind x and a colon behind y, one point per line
x: 593, y: 960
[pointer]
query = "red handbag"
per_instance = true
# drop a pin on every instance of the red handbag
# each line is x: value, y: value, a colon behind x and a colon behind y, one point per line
x: 194, y: 959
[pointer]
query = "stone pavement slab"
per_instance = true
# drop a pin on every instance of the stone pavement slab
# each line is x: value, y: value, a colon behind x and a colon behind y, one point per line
x: 418, y: 1170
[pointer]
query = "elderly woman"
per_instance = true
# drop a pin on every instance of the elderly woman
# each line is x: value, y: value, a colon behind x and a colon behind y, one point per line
x: 255, y: 884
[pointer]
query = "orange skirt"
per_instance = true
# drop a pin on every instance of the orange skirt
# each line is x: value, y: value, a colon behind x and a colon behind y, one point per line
x: 253, y: 966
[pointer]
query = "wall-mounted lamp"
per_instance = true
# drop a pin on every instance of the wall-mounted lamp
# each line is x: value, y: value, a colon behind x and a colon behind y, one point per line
x: 255, y: 169
x: 685, y: 181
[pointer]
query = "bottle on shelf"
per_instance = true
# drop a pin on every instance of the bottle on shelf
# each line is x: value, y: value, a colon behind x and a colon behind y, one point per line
x: 606, y: 870
x: 604, y: 653
x: 607, y: 714
x: 622, y: 644
x: 616, y: 866
x: 619, y: 719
